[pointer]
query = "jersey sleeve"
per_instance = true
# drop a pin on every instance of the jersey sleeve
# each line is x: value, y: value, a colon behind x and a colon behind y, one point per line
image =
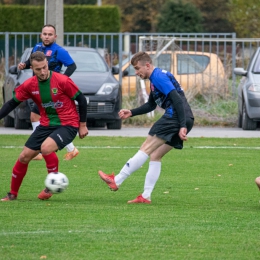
x: 71, y: 89
x: 21, y: 93
x: 64, y: 57
x: 163, y: 83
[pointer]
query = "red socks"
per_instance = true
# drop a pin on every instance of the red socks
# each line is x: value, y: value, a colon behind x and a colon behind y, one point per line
x: 52, y: 162
x: 20, y: 169
x: 18, y: 174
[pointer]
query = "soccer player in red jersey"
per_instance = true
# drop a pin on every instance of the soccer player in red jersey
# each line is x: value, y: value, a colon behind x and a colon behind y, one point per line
x: 56, y: 57
x: 54, y: 94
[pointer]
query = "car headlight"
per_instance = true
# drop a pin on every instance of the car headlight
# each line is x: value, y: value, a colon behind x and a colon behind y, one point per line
x: 254, y: 88
x: 107, y: 88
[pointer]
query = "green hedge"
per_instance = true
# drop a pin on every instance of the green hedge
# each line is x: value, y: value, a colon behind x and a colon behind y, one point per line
x: 77, y: 18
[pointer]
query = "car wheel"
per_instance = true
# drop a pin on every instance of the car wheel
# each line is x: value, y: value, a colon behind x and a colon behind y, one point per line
x: 247, y: 123
x: 8, y: 121
x: 99, y: 124
x: 239, y: 120
x: 115, y: 125
x: 20, y: 123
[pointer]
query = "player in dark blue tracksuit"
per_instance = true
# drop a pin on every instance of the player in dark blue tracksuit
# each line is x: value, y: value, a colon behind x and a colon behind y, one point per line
x: 168, y: 132
x: 56, y: 57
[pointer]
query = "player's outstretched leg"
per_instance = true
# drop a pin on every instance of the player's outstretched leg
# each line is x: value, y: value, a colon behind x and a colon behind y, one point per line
x: 109, y: 179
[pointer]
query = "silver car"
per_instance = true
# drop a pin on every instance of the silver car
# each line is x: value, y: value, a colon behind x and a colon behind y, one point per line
x: 249, y: 93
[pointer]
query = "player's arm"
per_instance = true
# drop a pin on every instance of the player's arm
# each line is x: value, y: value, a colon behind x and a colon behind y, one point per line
x: 147, y: 107
x: 24, y: 65
x: 8, y: 107
x: 177, y: 104
x: 82, y: 104
x: 70, y: 69
x: 64, y: 57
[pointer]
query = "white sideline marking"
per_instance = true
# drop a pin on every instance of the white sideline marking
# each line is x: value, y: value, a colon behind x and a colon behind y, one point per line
x: 23, y: 232
x: 56, y: 231
x: 136, y: 147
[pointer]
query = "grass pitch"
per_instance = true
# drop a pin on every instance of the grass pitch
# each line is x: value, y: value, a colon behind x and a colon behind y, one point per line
x: 204, y: 206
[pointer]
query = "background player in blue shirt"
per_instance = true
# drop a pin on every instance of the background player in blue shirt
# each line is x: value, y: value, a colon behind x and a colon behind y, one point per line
x: 168, y: 132
x: 56, y: 57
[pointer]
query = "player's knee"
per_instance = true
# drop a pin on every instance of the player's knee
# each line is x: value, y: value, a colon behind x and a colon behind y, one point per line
x: 24, y: 158
x: 155, y: 158
x: 45, y: 150
x: 48, y: 146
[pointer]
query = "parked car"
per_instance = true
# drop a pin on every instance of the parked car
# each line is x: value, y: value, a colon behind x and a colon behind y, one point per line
x: 93, y: 77
x: 249, y: 93
x: 193, y: 70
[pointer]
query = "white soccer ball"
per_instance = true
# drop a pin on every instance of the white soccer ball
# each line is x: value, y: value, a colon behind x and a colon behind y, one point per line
x: 56, y: 182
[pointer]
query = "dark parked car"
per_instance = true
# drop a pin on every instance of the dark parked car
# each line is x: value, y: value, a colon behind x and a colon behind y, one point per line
x: 249, y: 93
x: 93, y: 77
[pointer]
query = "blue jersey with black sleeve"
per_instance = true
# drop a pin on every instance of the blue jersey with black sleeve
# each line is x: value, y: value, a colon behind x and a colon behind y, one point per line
x: 55, y: 54
x: 162, y: 83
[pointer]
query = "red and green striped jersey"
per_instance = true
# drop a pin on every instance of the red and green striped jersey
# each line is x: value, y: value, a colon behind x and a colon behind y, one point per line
x: 54, y: 98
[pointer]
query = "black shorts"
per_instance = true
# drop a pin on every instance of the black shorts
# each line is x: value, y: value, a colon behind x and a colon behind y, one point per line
x: 62, y: 135
x: 35, y: 109
x: 168, y: 130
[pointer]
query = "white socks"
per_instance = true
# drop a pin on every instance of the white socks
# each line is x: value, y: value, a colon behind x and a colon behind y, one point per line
x: 70, y: 147
x: 132, y: 165
x: 35, y: 124
x: 151, y: 178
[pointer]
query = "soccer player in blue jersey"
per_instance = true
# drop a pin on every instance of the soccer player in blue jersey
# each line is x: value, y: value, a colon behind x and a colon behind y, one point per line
x: 56, y: 57
x: 168, y: 132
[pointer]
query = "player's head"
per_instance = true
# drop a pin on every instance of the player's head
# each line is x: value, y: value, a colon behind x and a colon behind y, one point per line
x: 39, y: 65
x: 48, y: 34
x: 142, y: 64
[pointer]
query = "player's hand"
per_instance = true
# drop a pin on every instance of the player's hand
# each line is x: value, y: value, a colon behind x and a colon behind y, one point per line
x: 83, y: 131
x: 124, y: 113
x: 183, y: 134
x: 21, y: 66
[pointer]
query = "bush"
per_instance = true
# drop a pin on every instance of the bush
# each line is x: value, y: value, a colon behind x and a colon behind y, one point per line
x: 179, y: 17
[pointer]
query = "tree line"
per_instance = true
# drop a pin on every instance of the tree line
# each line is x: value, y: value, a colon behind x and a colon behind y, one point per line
x: 180, y: 16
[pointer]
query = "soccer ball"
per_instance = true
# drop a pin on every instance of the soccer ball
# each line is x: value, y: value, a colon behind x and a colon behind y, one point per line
x: 56, y: 182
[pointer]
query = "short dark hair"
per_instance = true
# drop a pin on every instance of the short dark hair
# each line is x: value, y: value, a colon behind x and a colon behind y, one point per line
x: 49, y: 25
x: 38, y: 56
x: 142, y: 57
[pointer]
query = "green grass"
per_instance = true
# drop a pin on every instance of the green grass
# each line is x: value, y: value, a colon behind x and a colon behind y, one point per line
x: 205, y: 204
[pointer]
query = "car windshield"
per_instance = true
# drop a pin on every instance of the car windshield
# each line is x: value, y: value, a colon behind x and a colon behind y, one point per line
x: 191, y: 63
x: 87, y: 61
